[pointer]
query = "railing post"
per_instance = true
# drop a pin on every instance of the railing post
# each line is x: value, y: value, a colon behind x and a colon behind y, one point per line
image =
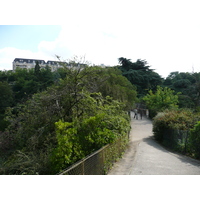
x: 83, y: 167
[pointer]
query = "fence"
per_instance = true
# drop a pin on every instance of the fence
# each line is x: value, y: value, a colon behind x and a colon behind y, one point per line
x: 100, y: 161
x: 176, y: 139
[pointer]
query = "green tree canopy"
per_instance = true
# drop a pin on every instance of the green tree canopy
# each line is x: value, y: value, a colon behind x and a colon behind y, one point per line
x: 37, y: 69
x: 140, y: 75
x: 189, y: 86
x: 163, y: 98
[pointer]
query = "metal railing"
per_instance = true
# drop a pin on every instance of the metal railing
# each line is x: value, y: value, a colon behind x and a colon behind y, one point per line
x: 176, y: 139
x: 99, y: 162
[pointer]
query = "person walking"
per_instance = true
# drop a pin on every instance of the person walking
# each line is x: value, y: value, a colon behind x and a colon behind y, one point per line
x: 136, y: 114
x: 147, y: 113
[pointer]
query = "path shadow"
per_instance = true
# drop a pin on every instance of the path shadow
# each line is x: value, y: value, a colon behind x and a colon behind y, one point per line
x: 152, y: 142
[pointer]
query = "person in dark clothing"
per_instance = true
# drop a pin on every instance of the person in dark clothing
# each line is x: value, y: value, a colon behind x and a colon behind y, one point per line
x: 136, y: 114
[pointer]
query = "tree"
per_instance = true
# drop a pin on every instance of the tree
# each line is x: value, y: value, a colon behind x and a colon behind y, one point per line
x: 103, y: 121
x: 163, y: 98
x: 46, y: 78
x: 196, y: 90
x: 7, y: 76
x: 35, y: 142
x: 126, y: 63
x: 30, y: 81
x: 6, y: 95
x: 140, y: 75
x: 110, y: 82
x: 6, y: 100
x: 187, y: 84
x: 37, y: 69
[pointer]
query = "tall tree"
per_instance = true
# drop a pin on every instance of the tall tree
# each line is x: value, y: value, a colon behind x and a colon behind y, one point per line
x: 140, y: 75
x: 126, y: 63
x: 187, y: 84
x: 163, y: 98
x: 37, y: 69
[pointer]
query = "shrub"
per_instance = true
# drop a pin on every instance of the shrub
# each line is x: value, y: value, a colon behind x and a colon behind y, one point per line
x: 158, y: 126
x: 87, y: 134
x: 194, y: 141
x: 169, y: 127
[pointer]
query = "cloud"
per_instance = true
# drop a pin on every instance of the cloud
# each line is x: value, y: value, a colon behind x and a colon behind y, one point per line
x: 166, y: 34
x: 8, y: 54
x: 99, y: 46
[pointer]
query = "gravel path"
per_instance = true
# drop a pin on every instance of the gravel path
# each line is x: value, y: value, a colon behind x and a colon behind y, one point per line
x: 146, y: 157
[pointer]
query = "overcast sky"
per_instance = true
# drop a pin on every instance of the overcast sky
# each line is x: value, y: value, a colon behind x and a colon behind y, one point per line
x: 164, y: 33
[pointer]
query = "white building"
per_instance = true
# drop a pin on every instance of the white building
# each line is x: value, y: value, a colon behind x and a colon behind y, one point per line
x: 54, y: 65
x: 30, y: 63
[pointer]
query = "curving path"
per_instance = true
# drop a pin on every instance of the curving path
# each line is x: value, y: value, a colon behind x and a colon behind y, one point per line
x: 146, y: 157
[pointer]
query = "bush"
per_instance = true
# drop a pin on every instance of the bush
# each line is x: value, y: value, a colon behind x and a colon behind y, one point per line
x: 194, y: 141
x: 171, y: 127
x: 85, y: 135
x: 159, y: 126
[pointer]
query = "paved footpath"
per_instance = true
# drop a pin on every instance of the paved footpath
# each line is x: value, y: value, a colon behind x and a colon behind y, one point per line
x: 146, y: 157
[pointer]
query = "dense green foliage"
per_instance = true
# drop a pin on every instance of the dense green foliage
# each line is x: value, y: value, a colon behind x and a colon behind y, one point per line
x: 26, y: 82
x: 180, y: 119
x: 194, y: 141
x: 6, y: 100
x: 172, y: 129
x: 20, y: 85
x: 76, y: 111
x: 87, y: 134
x: 140, y: 75
x: 189, y: 86
x: 163, y: 98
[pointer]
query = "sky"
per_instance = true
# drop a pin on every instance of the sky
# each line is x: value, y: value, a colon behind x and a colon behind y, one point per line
x: 165, y: 33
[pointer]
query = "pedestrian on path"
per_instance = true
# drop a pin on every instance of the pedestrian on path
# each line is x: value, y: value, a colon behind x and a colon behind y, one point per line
x: 147, y: 113
x: 135, y: 114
